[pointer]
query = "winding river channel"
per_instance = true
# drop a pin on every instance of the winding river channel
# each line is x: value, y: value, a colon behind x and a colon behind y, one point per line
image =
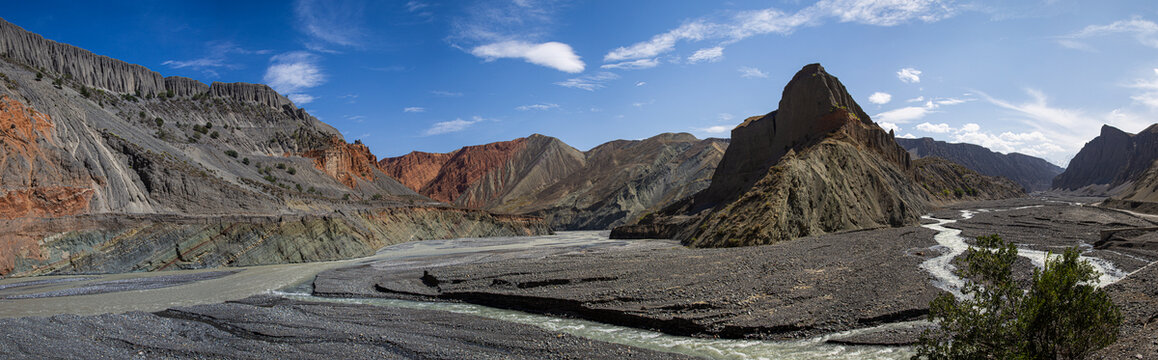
x: 96, y: 294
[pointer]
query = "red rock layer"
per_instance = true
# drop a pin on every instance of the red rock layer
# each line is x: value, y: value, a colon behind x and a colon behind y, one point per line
x: 45, y: 201
x: 415, y: 169
x: 345, y: 162
x: 467, y: 166
x: 30, y: 185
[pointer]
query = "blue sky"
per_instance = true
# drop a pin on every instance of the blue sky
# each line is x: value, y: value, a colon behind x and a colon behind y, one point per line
x: 1037, y: 77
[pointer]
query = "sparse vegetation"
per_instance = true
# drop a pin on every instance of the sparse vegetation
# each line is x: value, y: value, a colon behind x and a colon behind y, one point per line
x: 159, y: 122
x: 214, y: 135
x: 290, y: 170
x: 346, y: 197
x: 376, y: 197
x: 231, y: 153
x: 39, y: 76
x: 270, y: 178
x: 281, y: 166
x: 1061, y: 316
x: 245, y: 161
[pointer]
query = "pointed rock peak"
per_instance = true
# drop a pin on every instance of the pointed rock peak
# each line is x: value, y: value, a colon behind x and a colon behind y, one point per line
x: 814, y: 93
x: 1107, y: 129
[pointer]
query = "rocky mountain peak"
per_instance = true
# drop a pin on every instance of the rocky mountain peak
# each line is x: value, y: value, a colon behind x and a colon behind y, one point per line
x: 813, y: 105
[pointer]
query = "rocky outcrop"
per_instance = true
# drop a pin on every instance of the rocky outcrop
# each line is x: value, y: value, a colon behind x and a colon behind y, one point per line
x: 1034, y: 174
x: 543, y: 161
x: 415, y: 169
x: 817, y: 165
x: 947, y: 182
x: 344, y: 162
x: 185, y: 87
x: 110, y: 244
x: 255, y: 93
x: 75, y: 63
x: 1110, y: 160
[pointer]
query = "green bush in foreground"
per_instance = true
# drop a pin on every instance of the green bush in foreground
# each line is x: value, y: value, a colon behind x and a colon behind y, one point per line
x: 1061, y: 315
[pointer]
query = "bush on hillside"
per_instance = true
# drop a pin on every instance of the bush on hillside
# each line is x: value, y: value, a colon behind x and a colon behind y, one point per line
x: 1061, y: 316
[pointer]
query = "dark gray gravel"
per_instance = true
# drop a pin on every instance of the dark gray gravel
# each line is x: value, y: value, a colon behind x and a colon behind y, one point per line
x: 264, y: 327
x: 789, y: 290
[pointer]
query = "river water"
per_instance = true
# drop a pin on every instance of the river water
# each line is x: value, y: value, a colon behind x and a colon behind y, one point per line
x: 97, y: 294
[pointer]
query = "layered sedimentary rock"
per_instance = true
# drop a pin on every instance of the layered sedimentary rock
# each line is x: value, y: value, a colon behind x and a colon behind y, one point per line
x: 415, y: 169
x: 624, y: 179
x: 185, y: 87
x: 1035, y: 174
x: 86, y: 146
x: 817, y: 165
x: 539, y: 175
x: 948, y: 181
x: 1111, y: 159
x: 109, y: 244
x: 79, y: 64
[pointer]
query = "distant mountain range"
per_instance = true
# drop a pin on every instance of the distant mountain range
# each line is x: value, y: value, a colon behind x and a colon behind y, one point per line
x: 540, y: 175
x: 1035, y: 174
x: 1118, y: 164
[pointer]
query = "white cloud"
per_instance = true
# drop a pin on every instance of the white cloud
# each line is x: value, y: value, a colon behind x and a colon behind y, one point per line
x: 1060, y: 132
x: 633, y: 65
x: 334, y: 22
x: 726, y: 117
x: 751, y: 72
x: 455, y: 125
x: 555, y: 55
x: 889, y: 126
x: 909, y: 75
x: 1149, y: 94
x: 718, y: 129
x: 589, y: 82
x: 537, y: 107
x: 414, y: 109
x: 880, y: 98
x: 215, y: 58
x: 1144, y: 31
x: 641, y: 83
x: 916, y: 99
x: 413, y: 6
x: 903, y: 115
x: 712, y: 54
x: 292, y: 72
x: 934, y: 128
x: 642, y: 104
x: 908, y: 136
x: 301, y: 99
x: 744, y: 24
x: 952, y: 101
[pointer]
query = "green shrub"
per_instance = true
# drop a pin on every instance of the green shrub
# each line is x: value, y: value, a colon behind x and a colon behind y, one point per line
x: 159, y: 122
x: 214, y: 135
x: 270, y: 178
x: 290, y: 170
x: 376, y: 197
x: 298, y: 187
x: 281, y: 166
x: 39, y: 76
x: 231, y: 153
x: 1061, y: 316
x: 245, y: 161
x: 346, y: 197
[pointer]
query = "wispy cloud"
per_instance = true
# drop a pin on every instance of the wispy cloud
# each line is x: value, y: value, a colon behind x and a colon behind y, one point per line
x: 909, y: 75
x: 293, y: 72
x: 751, y: 72
x: 1062, y: 130
x: 741, y: 25
x: 718, y: 129
x: 909, y: 114
x: 444, y: 93
x: 537, y: 107
x: 216, y: 58
x: 880, y: 98
x: 711, y: 54
x: 555, y: 55
x: 414, y: 109
x: 633, y: 65
x: 455, y: 125
x: 337, y: 22
x: 641, y: 83
x: 589, y: 82
x: 1144, y: 31
x: 1149, y: 91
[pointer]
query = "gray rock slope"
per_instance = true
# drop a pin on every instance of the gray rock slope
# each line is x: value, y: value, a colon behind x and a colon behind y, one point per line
x: 1032, y: 173
x: 84, y: 135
